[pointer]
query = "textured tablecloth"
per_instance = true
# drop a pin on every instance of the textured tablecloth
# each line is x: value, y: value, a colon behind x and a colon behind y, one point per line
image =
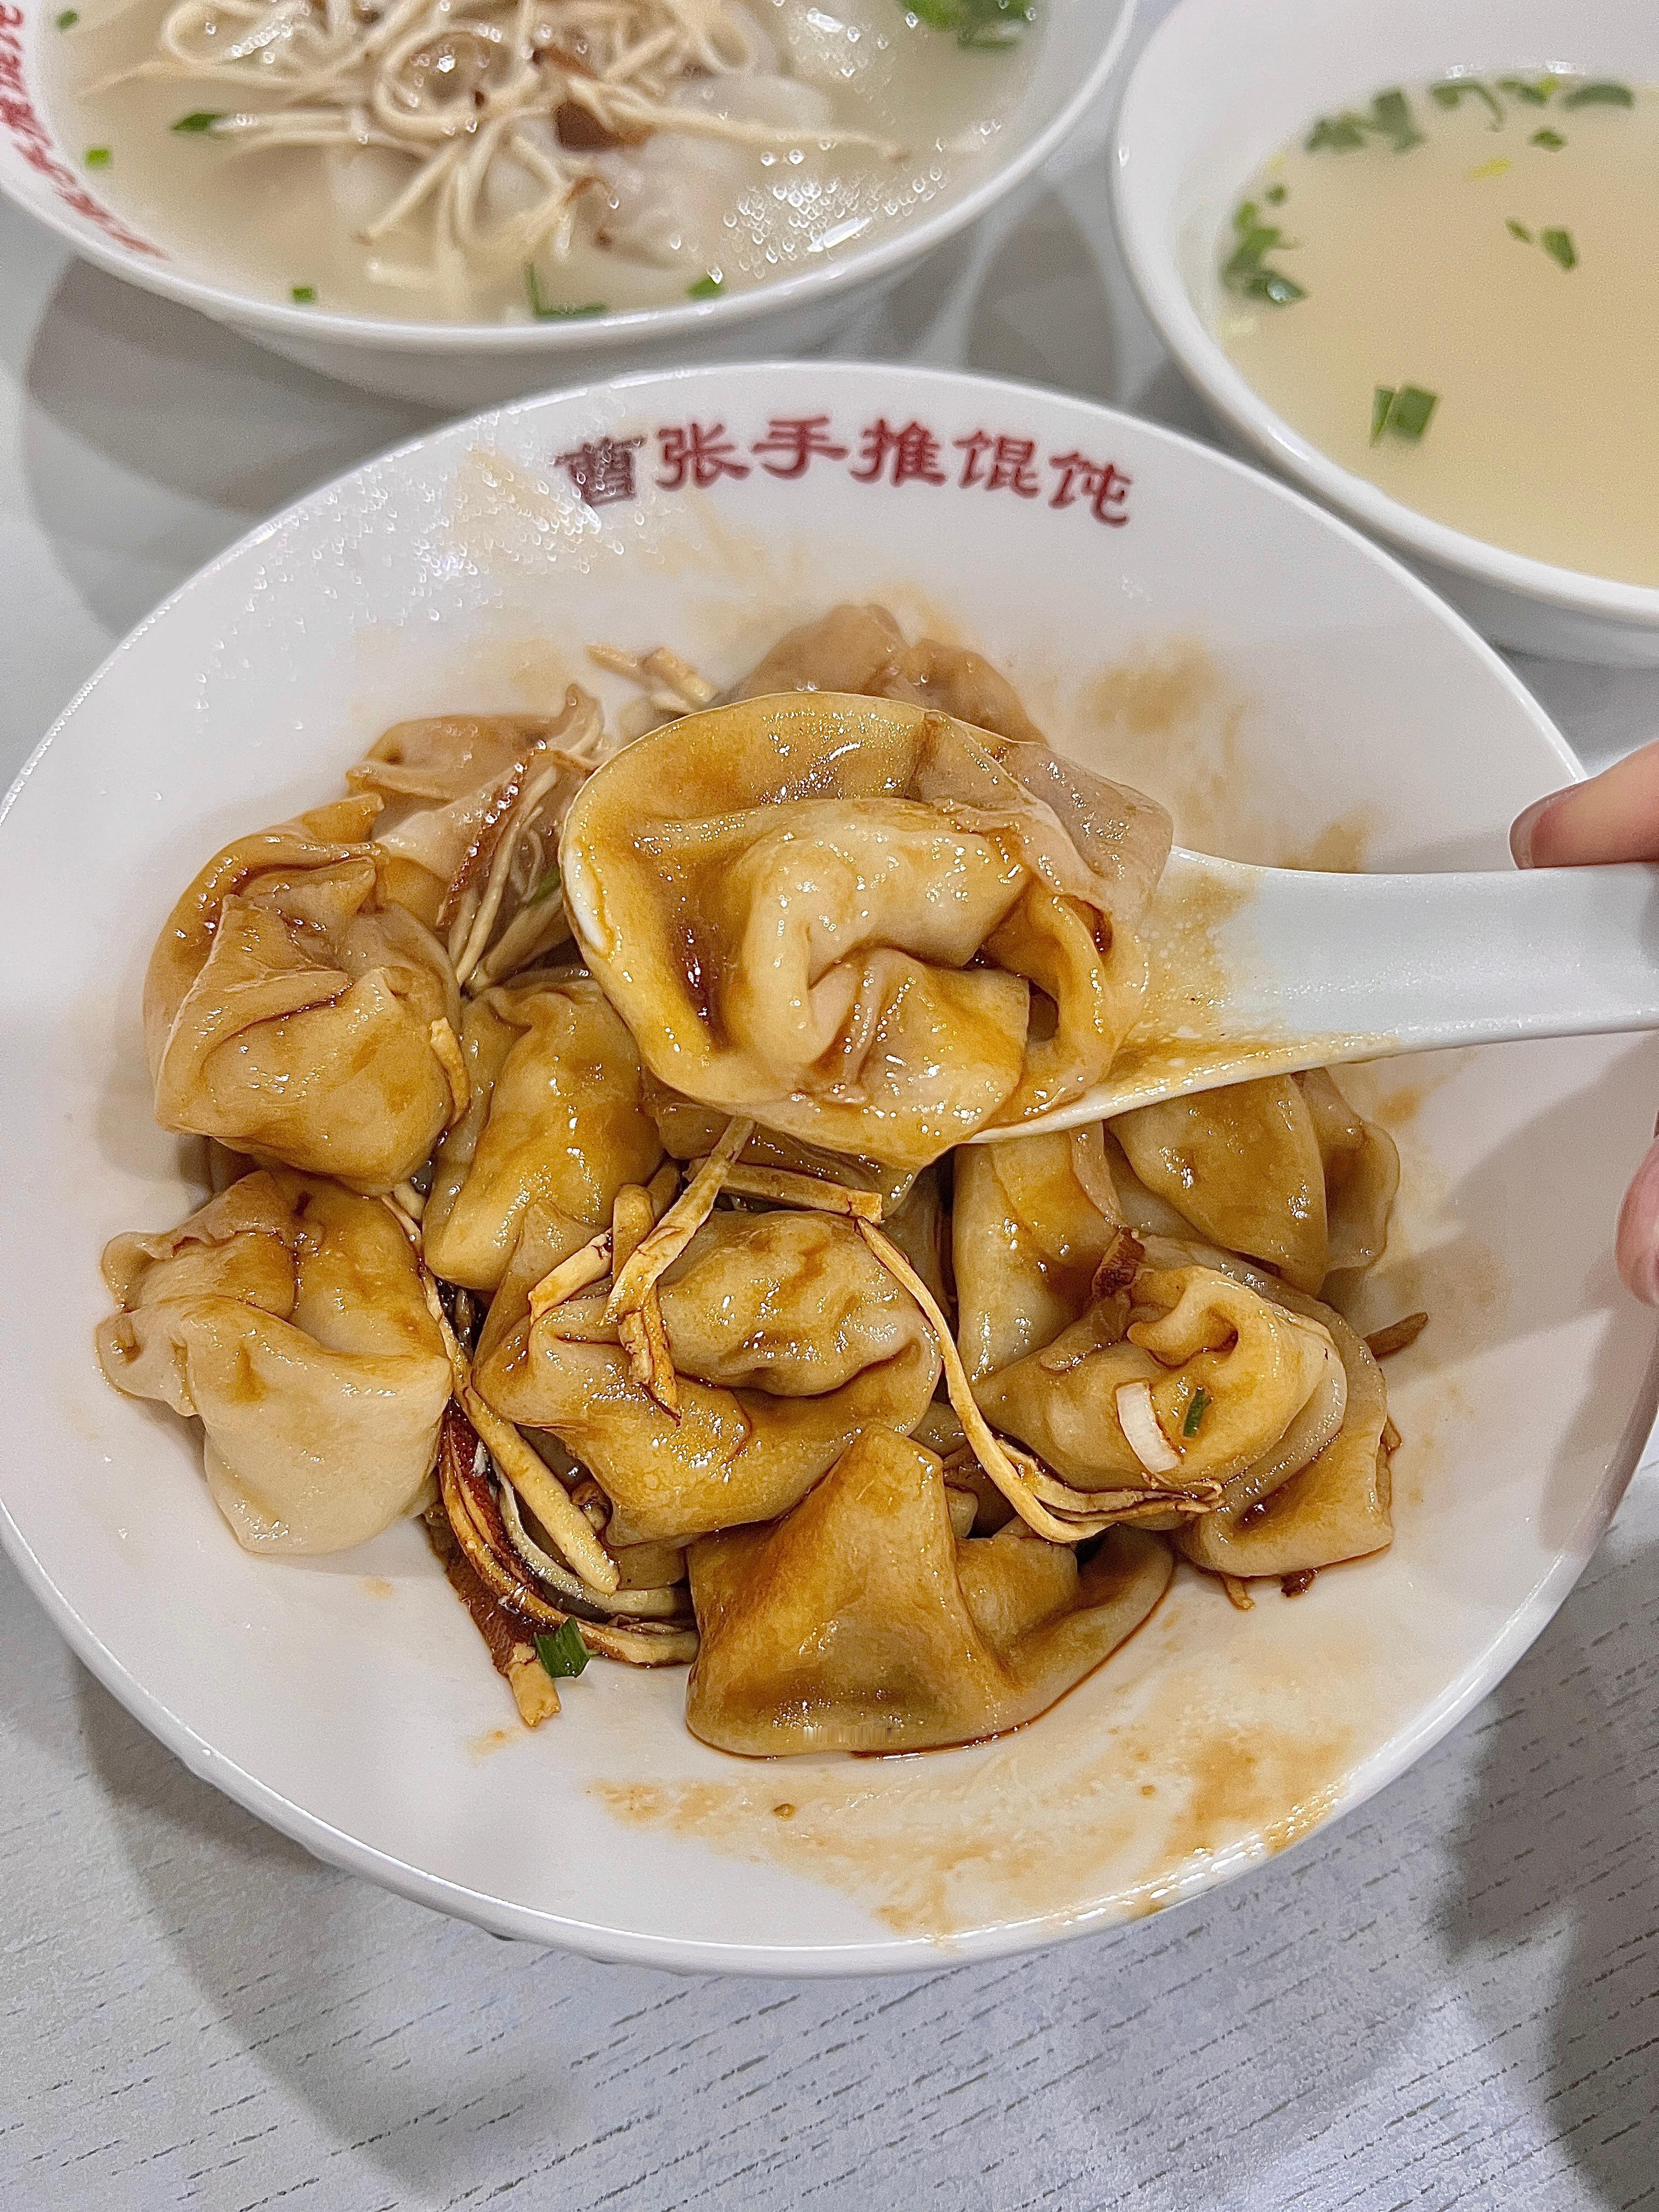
x: 1452, y: 1998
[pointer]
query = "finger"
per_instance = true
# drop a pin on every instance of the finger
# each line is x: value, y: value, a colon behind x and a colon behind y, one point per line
x: 1613, y: 817
x: 1639, y: 1230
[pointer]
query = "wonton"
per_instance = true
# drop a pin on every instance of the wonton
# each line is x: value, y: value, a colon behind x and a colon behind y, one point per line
x: 1034, y: 1218
x: 863, y: 650
x: 555, y: 1120
x: 438, y: 780
x: 1299, y: 1509
x: 1281, y: 1170
x: 862, y: 1621
x: 786, y: 1338
x: 1052, y: 1284
x: 863, y: 923
x: 473, y: 805
x: 287, y: 1316
x: 1226, y: 1371
x: 297, y: 1014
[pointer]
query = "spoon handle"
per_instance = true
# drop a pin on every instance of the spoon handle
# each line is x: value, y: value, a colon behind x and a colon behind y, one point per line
x: 1414, y: 962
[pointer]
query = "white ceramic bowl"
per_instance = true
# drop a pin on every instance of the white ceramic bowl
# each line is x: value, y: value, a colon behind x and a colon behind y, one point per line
x: 468, y: 365
x: 1218, y: 639
x: 1218, y: 88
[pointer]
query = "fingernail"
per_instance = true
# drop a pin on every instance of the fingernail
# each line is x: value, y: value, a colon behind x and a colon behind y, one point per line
x: 1522, y: 829
x: 1638, y: 1231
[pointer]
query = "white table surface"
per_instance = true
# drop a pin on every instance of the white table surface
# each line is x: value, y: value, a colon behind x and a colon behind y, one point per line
x: 1451, y: 1998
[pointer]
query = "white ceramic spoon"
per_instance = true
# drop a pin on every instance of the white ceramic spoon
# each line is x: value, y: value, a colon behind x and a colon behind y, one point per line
x: 1261, y: 971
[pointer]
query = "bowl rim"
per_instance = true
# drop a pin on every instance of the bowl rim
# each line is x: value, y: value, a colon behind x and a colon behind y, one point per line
x: 584, y: 335
x: 337, y: 1847
x: 1150, y: 259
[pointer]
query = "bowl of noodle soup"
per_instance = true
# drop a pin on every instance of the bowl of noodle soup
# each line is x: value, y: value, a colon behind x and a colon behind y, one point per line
x: 457, y: 201
x: 547, y: 607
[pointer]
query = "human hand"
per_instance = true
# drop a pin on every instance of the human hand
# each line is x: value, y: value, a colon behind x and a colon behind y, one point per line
x: 1613, y: 817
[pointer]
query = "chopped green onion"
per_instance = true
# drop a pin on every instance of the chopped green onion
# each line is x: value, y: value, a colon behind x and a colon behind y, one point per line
x: 1499, y: 166
x: 1257, y: 239
x: 202, y: 119
x: 1336, y: 134
x: 1412, y: 406
x: 1452, y: 89
x: 981, y: 26
x: 1537, y: 92
x: 1600, y: 95
x: 97, y: 157
x: 1401, y: 413
x: 1275, y: 195
x: 1551, y: 140
x: 1558, y: 244
x: 303, y: 295
x: 1408, y: 415
x: 1390, y: 118
x: 1245, y: 273
x: 69, y: 19
x: 706, y: 288
x: 563, y: 1652
x: 545, y: 888
x: 1195, y: 1413
x: 545, y: 311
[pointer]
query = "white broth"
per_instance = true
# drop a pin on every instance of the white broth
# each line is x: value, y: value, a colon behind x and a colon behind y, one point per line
x: 562, y: 156
x: 1487, y: 250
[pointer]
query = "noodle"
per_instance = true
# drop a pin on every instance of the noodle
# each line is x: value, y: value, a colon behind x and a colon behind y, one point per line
x: 468, y: 90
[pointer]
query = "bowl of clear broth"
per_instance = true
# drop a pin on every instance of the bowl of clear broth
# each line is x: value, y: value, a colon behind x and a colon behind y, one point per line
x: 457, y: 201
x: 1405, y: 255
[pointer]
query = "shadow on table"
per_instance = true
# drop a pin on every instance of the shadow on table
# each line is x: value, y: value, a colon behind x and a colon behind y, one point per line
x: 341, y: 1993
x: 1019, y: 296
x: 156, y: 437
x: 1039, y: 312
x: 374, y: 1972
x: 1558, y: 1862
x: 1286, y: 2026
x: 1167, y: 397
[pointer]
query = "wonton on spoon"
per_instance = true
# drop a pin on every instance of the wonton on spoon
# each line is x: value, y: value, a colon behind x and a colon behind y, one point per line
x: 860, y: 921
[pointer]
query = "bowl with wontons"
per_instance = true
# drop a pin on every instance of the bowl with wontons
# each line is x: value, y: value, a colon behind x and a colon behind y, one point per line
x: 458, y: 201
x: 568, y: 1318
